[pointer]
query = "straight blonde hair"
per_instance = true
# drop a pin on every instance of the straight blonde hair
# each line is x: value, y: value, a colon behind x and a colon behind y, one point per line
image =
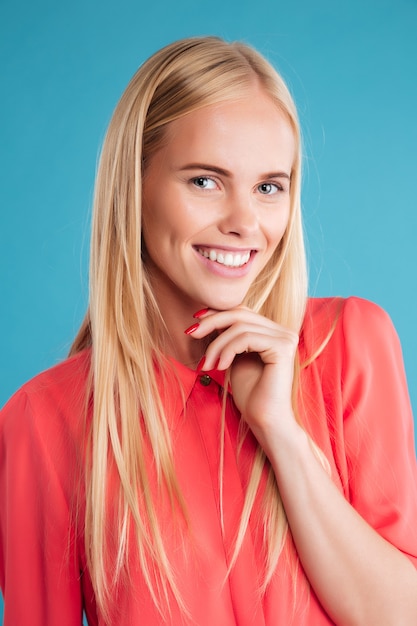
x: 124, y: 326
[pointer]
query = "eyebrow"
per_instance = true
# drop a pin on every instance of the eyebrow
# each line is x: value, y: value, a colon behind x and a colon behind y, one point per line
x: 219, y: 170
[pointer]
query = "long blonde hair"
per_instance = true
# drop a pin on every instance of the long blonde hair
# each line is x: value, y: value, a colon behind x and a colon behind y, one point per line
x: 125, y: 329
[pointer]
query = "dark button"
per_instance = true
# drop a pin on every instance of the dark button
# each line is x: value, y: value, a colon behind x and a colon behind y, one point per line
x: 205, y: 380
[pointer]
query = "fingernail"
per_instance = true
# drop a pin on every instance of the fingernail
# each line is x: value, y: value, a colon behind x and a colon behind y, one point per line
x: 192, y: 328
x: 200, y: 313
x: 201, y: 364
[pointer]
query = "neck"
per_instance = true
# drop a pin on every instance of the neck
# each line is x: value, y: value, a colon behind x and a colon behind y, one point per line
x: 178, y: 316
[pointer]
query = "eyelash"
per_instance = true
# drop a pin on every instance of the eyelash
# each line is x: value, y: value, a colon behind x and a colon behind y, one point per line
x: 201, y: 178
x: 195, y: 179
x: 278, y: 187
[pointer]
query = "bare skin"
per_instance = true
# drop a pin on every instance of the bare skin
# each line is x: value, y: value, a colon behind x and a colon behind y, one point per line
x: 221, y: 185
x: 338, y: 549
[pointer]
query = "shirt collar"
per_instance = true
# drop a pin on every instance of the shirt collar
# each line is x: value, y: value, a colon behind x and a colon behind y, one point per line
x: 177, y: 383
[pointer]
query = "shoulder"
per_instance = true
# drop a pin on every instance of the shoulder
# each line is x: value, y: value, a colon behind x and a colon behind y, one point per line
x: 325, y: 311
x: 59, y: 383
x: 340, y: 322
x: 57, y: 392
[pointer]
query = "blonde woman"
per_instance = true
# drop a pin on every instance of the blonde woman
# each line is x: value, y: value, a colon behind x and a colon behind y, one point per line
x: 218, y: 448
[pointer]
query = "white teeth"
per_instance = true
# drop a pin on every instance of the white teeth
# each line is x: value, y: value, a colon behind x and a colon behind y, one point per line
x: 228, y: 259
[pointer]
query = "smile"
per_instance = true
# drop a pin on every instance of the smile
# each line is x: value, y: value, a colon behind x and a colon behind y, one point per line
x: 228, y: 259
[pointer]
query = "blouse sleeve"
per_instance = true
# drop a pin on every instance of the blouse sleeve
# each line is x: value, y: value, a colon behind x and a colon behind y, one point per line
x: 39, y: 572
x: 378, y: 426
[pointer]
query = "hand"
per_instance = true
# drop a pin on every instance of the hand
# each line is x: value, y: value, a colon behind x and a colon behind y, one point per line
x: 261, y: 355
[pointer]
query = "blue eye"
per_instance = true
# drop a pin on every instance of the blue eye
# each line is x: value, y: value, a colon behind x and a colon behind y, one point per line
x: 268, y: 188
x: 203, y: 182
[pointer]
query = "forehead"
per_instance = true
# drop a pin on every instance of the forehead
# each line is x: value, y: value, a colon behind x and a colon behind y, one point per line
x: 251, y: 128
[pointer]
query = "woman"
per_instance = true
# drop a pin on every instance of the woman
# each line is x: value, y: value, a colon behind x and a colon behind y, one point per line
x: 218, y: 449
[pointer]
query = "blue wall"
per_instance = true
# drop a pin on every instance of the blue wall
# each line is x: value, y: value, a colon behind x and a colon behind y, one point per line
x: 351, y: 67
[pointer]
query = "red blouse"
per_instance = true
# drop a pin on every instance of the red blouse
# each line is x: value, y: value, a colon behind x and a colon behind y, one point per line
x: 356, y: 408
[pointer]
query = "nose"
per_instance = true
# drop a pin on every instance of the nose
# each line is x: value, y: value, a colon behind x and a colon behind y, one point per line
x: 239, y: 216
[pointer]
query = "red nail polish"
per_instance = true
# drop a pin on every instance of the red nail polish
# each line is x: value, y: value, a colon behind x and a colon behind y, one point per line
x: 200, y: 313
x: 192, y: 328
x: 201, y: 364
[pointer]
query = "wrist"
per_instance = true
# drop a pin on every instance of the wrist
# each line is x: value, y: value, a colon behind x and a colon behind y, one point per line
x: 283, y: 437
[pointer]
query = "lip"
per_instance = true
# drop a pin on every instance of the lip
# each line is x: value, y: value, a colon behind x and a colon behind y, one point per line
x: 225, y: 270
x: 232, y: 249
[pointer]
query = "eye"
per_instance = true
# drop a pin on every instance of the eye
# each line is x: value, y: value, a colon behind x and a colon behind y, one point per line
x: 268, y: 189
x: 203, y: 182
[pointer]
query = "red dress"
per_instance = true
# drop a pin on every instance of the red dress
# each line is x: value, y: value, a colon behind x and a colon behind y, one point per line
x: 356, y: 408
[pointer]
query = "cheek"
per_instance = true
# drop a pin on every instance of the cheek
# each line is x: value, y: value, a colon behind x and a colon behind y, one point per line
x: 155, y: 219
x: 277, y: 225
x: 148, y: 228
x: 162, y: 231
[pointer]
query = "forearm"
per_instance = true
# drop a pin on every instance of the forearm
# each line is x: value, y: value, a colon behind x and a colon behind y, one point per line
x: 358, y: 576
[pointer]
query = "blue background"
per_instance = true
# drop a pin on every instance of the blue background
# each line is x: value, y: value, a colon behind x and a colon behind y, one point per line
x: 352, y: 69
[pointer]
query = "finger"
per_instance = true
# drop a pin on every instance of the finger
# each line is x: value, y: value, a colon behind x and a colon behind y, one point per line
x: 202, y: 313
x: 211, y: 321
x: 248, y: 329
x: 272, y: 347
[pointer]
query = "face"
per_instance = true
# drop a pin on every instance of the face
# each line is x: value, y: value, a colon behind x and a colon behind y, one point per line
x: 216, y: 201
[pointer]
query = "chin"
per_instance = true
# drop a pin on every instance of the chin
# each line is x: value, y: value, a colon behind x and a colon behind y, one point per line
x: 224, y: 304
